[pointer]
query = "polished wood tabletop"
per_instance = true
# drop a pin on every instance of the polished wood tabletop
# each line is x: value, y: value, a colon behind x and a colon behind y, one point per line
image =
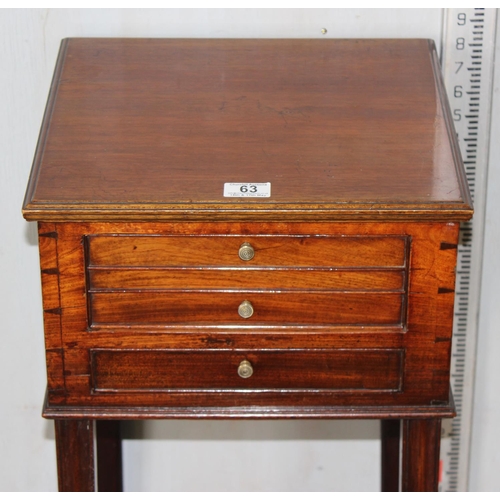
x: 340, y: 128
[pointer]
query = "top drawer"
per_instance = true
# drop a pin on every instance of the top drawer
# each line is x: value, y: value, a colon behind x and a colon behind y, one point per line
x: 269, y: 251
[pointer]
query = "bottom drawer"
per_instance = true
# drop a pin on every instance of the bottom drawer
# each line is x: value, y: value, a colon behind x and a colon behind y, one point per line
x: 244, y: 370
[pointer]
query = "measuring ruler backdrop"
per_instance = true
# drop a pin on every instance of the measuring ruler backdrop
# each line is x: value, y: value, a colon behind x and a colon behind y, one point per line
x: 467, y: 61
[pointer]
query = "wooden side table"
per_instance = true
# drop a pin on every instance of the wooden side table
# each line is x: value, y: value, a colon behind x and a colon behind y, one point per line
x: 247, y: 229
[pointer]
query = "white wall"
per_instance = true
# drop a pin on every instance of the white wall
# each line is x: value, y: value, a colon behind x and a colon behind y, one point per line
x: 179, y: 455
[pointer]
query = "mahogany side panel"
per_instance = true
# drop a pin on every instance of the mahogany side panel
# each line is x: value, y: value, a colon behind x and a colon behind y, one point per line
x: 49, y: 266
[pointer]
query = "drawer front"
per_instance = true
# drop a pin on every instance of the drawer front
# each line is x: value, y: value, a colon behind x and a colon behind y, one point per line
x: 271, y: 309
x: 270, y: 251
x: 275, y: 370
x: 245, y: 279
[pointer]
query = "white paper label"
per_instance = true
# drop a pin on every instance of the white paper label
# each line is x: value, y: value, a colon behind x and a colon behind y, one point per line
x: 247, y: 189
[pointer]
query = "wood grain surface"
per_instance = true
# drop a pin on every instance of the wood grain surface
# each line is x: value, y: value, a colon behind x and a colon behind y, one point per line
x: 273, y: 308
x: 154, y: 310
x: 309, y: 251
x: 155, y: 127
x: 214, y: 370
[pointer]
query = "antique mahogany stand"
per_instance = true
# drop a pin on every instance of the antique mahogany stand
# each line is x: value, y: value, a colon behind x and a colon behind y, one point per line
x: 247, y: 229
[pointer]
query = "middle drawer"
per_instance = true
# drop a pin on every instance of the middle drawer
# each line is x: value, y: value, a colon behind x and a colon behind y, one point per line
x: 252, y: 309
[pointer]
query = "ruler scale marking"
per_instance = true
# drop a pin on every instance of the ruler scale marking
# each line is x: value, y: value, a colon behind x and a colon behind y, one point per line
x: 468, y: 43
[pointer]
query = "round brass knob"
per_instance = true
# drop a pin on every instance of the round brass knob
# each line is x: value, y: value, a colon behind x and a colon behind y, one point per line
x: 245, y: 369
x: 246, y: 251
x: 245, y: 309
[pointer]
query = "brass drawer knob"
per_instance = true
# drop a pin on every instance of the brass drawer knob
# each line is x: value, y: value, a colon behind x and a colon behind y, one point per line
x: 246, y: 251
x: 245, y: 369
x: 245, y: 309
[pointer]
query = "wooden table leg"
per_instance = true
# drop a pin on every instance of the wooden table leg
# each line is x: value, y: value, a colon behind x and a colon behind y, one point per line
x: 421, y: 442
x: 75, y: 455
x: 390, y: 454
x: 109, y: 456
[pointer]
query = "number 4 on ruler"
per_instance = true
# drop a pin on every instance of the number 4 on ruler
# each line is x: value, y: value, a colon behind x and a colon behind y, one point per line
x: 468, y: 50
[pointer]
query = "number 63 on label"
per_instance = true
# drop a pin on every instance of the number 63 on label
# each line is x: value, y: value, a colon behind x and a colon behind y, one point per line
x: 247, y: 189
